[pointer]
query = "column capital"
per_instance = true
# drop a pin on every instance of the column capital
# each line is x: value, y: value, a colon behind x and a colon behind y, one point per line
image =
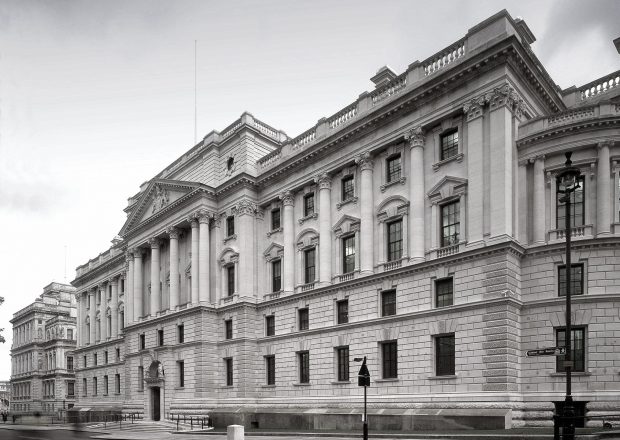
x: 155, y: 242
x: 605, y: 144
x: 138, y: 252
x: 173, y: 232
x: 364, y: 161
x: 244, y: 207
x: 129, y: 255
x: 288, y: 198
x: 324, y: 181
x: 505, y: 96
x: 539, y: 158
x: 474, y: 107
x: 415, y: 137
x: 204, y: 216
x: 193, y: 220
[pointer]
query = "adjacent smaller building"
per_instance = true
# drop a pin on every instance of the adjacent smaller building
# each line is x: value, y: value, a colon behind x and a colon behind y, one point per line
x: 42, y: 362
x: 5, y: 395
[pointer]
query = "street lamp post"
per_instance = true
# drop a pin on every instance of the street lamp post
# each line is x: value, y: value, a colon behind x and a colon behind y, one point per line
x: 567, y: 182
x: 363, y: 380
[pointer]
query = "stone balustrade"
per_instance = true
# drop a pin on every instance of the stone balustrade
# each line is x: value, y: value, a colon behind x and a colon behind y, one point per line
x: 444, y: 57
x: 266, y: 129
x: 307, y: 137
x: 572, y: 115
x: 270, y: 159
x: 392, y: 88
x: 343, y: 116
x: 228, y: 131
x: 577, y: 232
x: 390, y: 265
x: 599, y: 86
x: 448, y: 250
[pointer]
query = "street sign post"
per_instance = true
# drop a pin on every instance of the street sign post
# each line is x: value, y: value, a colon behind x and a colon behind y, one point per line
x: 363, y: 380
x: 549, y: 351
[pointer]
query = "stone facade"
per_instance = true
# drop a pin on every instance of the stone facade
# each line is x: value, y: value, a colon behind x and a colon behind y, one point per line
x: 42, y: 359
x: 418, y: 227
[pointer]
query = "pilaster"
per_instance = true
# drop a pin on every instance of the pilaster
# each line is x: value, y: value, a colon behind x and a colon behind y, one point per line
x: 325, y: 261
x: 365, y: 163
x: 416, y: 194
x: 288, y: 260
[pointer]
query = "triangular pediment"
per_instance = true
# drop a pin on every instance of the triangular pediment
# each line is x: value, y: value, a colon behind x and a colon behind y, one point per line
x: 159, y: 195
x: 448, y: 186
x: 274, y: 250
x: 345, y: 222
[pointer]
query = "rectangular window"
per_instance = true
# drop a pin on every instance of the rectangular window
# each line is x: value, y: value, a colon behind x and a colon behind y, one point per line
x: 444, y: 292
x: 181, y: 333
x: 122, y: 285
x: 444, y: 355
x: 348, y: 254
x: 181, y: 371
x: 95, y: 359
x: 395, y: 240
x: 270, y: 325
x: 347, y: 188
x: 160, y: 337
x: 309, y: 266
x: 70, y: 334
x: 117, y: 383
x: 228, y: 330
x: 576, y: 279
x: 275, y: 219
x: 304, y: 322
x: 140, y: 378
x: 342, y: 353
x: 229, y: 371
x: 270, y: 368
x: 449, y: 144
x: 230, y: 272
x: 118, y: 354
x: 142, y: 341
x: 393, y: 168
x: 389, y: 358
x: 308, y: 204
x: 94, y: 386
x: 70, y: 363
x: 578, y: 349
x: 577, y: 207
x: 105, y: 385
x: 230, y: 226
x: 70, y: 389
x: 342, y: 308
x: 105, y: 356
x: 304, y: 366
x: 85, y: 361
x: 450, y: 224
x: 388, y: 303
x: 276, y: 276
x: 85, y: 387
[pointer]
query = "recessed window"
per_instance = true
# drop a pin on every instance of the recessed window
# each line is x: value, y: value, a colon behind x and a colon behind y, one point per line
x: 160, y: 337
x: 140, y: 378
x: 105, y: 385
x: 348, y: 254
x: 228, y: 329
x: 444, y: 355
x: 576, y: 279
x: 276, y: 276
x: 444, y: 292
x: 449, y: 144
x: 348, y: 191
x: 342, y: 355
x: 85, y: 387
x: 303, y: 358
x: 389, y: 360
x: 70, y: 334
x: 230, y: 226
x: 309, y: 265
x: 577, y: 207
x: 342, y: 311
x: 70, y: 363
x: 142, y: 341
x: 70, y: 389
x: 230, y: 274
x: 117, y: 383
x: 275, y: 219
x: 395, y: 240
x: 105, y: 356
x: 450, y: 224
x: 181, y: 333
x: 270, y: 369
x: 84, y: 360
x: 95, y: 359
x: 270, y: 325
x: 118, y: 354
x: 578, y: 349
x: 388, y: 303
x: 230, y: 163
x: 94, y: 386
x: 308, y: 204
x: 181, y: 373
x: 303, y: 316
x: 393, y: 168
x: 228, y: 362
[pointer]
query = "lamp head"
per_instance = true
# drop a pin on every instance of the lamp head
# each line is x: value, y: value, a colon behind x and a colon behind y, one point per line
x: 568, y: 179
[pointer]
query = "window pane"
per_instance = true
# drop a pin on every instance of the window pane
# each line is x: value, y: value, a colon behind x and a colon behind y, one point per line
x: 393, y: 169
x: 347, y: 188
x: 388, y: 303
x: 270, y: 365
x: 395, y: 240
x: 229, y: 372
x: 445, y: 292
x: 309, y: 266
x: 343, y: 363
x: 449, y: 145
x: 348, y: 254
x: 303, y: 319
x: 343, y: 311
x: 578, y: 349
x: 228, y: 328
x: 444, y: 346
x: 450, y: 224
x: 577, y: 207
x: 576, y: 280
x: 276, y: 276
x: 390, y: 360
x: 230, y: 226
x: 275, y: 219
x: 231, y: 280
x: 308, y: 204
x: 304, y: 367
x: 270, y: 324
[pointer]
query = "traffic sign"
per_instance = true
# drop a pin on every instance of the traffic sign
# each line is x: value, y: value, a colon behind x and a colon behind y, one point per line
x: 363, y: 377
x: 550, y: 351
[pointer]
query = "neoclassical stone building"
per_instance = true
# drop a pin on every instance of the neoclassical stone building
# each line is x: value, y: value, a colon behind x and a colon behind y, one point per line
x: 42, y: 359
x: 419, y: 226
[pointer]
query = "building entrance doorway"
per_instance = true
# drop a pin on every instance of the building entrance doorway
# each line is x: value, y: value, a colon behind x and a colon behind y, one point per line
x: 155, y: 392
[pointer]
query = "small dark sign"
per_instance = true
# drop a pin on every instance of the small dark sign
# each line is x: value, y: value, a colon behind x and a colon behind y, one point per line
x: 363, y: 377
x: 550, y: 351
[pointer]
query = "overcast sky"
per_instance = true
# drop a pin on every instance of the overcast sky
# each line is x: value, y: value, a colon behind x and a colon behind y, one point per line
x: 98, y: 96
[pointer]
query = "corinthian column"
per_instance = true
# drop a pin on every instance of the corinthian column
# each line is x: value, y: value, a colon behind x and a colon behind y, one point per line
x: 129, y: 297
x: 288, y: 260
x: 603, y: 190
x: 325, y: 232
x: 203, y: 257
x: 174, y: 300
x: 539, y: 200
x: 416, y: 194
x: 475, y: 172
x: 366, y: 221
x: 114, y: 307
x: 80, y: 319
x: 195, y: 258
x: 103, y: 320
x: 246, y: 211
x: 92, y: 316
x: 155, y: 281
x: 138, y: 309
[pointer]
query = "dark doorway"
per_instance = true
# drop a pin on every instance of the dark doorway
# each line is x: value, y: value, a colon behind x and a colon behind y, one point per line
x: 155, y: 403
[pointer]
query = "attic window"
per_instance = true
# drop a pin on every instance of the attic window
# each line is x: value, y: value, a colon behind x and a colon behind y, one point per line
x: 230, y: 163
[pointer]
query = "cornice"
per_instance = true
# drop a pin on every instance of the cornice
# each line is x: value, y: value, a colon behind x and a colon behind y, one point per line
x: 103, y: 269
x: 576, y: 245
x: 242, y: 179
x: 577, y: 127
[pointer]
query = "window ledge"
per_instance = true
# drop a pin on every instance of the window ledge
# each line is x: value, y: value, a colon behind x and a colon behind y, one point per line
x: 274, y: 231
x: 267, y: 386
x: 341, y: 382
x: 272, y: 295
x: 179, y: 388
x: 352, y: 200
x: 230, y: 237
x: 573, y: 373
x: 457, y: 157
x: 312, y: 216
x: 385, y: 186
x: 392, y: 379
x: 447, y: 376
x: 301, y: 384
